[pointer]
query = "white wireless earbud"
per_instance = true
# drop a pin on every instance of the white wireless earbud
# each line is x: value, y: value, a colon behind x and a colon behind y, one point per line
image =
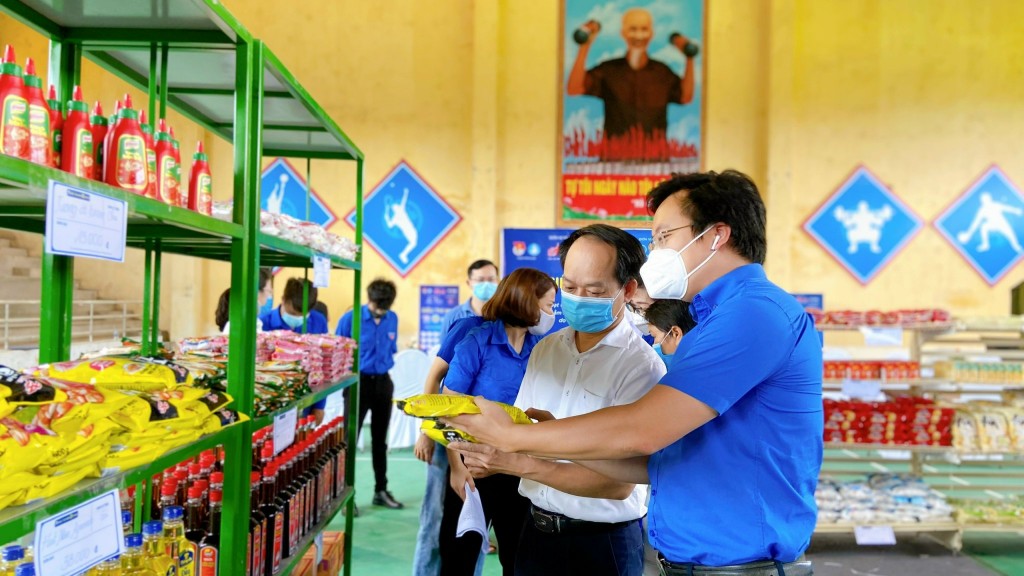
x: 714, y: 245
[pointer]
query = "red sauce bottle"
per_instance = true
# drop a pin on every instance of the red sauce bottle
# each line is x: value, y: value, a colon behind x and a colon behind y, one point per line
x: 176, y: 148
x: 114, y: 118
x: 98, y: 125
x: 168, y: 172
x: 40, y: 145
x: 126, y: 157
x: 56, y: 124
x: 14, y: 135
x: 200, y: 183
x: 147, y: 133
x: 78, y: 151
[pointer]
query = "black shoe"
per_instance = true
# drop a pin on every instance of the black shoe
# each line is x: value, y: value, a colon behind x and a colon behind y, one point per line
x: 355, y: 510
x: 384, y: 498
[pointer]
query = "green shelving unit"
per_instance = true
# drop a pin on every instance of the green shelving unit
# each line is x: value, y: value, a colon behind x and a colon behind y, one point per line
x: 196, y: 58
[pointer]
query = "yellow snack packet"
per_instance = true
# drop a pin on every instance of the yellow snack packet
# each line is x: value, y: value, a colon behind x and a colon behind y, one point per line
x: 135, y: 373
x: 443, y: 434
x: 21, y: 389
x: 222, y: 419
x: 86, y: 457
x: 48, y: 487
x: 96, y: 403
x: 7, y: 499
x: 23, y: 446
x: 131, y: 457
x: 433, y: 406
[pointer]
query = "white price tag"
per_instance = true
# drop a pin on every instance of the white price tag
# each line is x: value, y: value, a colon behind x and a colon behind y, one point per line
x: 85, y: 224
x: 284, y: 429
x: 318, y: 543
x: 862, y: 389
x: 874, y: 535
x: 80, y: 538
x: 321, y: 271
x: 882, y: 336
x: 335, y: 405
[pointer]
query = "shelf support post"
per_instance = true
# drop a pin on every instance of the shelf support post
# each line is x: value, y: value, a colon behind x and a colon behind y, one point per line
x: 352, y: 392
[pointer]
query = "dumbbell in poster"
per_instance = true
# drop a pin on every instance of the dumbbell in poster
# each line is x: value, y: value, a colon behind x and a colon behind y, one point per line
x: 632, y: 103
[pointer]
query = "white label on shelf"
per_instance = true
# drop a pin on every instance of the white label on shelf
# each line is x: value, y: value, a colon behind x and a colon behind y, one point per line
x: 335, y: 405
x: 874, y: 535
x: 284, y: 429
x: 85, y: 224
x: 321, y: 271
x: 318, y: 544
x: 79, y: 538
x: 882, y: 336
x: 862, y: 389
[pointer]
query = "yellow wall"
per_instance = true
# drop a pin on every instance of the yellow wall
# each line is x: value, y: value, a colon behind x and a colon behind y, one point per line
x: 799, y: 92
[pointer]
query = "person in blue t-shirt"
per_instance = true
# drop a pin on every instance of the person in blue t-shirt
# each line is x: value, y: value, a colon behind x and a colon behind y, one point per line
x: 490, y: 362
x: 378, y: 344
x: 482, y: 279
x: 669, y: 321
x: 731, y: 439
x: 289, y: 315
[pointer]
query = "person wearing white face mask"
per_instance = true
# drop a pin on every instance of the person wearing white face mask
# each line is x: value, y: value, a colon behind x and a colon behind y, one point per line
x: 637, y: 307
x: 731, y: 439
x: 582, y: 522
x: 490, y: 361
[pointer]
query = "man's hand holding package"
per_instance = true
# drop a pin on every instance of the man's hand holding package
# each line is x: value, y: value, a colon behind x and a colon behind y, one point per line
x: 492, y: 426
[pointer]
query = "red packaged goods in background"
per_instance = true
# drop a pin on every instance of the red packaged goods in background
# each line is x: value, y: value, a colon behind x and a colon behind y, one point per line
x: 874, y: 317
x: 78, y: 143
x: 14, y: 131
x: 56, y: 125
x: 40, y: 146
x: 98, y: 125
x: 126, y: 164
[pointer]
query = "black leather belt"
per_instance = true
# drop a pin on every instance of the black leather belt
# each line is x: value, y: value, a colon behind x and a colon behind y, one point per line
x: 759, y: 568
x: 554, y: 523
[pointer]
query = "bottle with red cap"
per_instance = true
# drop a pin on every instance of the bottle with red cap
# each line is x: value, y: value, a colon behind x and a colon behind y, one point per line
x: 56, y: 125
x: 40, y: 145
x: 98, y: 125
x: 77, y: 142
x: 147, y: 135
x: 288, y: 493
x: 168, y: 497
x: 108, y: 138
x: 14, y: 131
x: 257, y: 530
x: 176, y: 149
x: 274, y: 537
x: 168, y: 181
x: 209, y: 547
x: 181, y: 476
x: 200, y: 183
x: 126, y: 163
x: 194, y: 528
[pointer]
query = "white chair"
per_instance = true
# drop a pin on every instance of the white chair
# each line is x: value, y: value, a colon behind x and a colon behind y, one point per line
x: 408, y: 375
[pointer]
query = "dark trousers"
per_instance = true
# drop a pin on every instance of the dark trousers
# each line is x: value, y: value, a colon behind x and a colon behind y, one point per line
x: 504, y: 509
x: 375, y: 392
x: 614, y: 552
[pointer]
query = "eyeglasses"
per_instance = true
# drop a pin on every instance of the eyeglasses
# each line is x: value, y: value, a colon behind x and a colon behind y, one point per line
x: 638, y: 309
x: 659, y: 240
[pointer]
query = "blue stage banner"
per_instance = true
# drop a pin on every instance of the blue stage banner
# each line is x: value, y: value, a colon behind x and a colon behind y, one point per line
x: 435, y: 302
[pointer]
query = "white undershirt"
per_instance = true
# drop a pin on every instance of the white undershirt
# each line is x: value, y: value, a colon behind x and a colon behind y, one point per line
x: 619, y: 370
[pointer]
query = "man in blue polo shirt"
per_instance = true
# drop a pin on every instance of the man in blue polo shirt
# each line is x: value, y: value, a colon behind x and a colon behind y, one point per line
x: 482, y: 279
x: 378, y: 344
x: 289, y: 316
x: 731, y: 439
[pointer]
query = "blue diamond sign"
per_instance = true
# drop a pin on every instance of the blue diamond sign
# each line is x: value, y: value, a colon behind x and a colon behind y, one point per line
x: 404, y: 219
x: 283, y: 191
x: 986, y: 225
x: 863, y: 225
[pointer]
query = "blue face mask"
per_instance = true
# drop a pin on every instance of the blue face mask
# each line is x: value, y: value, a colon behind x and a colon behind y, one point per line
x: 293, y: 322
x: 268, y: 307
x: 483, y: 291
x: 589, y: 315
x: 666, y: 358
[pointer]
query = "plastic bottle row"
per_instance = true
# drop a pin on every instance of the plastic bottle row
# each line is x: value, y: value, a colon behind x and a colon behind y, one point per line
x: 123, y: 151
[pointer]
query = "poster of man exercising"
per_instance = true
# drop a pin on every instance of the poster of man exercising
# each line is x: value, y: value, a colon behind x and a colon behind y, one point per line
x: 991, y: 217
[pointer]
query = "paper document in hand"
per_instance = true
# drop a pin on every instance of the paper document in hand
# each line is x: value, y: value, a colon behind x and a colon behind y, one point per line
x: 471, y: 519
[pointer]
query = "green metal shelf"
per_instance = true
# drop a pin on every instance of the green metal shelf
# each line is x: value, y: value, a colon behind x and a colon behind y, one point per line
x: 291, y: 563
x: 308, y: 400
x: 18, y: 521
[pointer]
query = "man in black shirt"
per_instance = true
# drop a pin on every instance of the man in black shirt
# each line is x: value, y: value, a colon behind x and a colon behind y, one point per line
x: 636, y: 90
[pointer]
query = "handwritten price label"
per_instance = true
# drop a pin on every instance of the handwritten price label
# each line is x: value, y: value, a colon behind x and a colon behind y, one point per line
x: 85, y: 224
x: 79, y: 538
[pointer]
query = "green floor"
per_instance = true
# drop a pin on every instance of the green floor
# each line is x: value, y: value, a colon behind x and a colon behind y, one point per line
x: 384, y: 540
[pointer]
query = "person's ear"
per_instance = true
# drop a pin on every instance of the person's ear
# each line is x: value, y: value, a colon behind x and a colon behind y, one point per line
x: 629, y: 291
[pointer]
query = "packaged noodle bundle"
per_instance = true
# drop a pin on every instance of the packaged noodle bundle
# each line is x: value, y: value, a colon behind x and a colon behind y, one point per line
x: 135, y: 373
x: 49, y: 486
x: 442, y: 434
x: 166, y: 409
x: 96, y: 403
x: 222, y: 419
x: 433, y: 406
x: 22, y: 448
x: 19, y: 389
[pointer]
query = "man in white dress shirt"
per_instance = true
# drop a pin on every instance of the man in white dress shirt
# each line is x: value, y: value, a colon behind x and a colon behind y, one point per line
x: 582, y: 522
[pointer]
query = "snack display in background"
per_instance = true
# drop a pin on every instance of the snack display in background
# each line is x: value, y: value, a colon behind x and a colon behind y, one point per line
x: 981, y: 372
x: 900, y: 421
x: 1006, y: 511
x: 894, y: 318
x: 297, y: 231
x: 889, y: 370
x: 880, y: 499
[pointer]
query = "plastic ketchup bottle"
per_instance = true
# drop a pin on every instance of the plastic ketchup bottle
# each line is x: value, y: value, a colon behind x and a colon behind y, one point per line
x: 126, y: 157
x: 176, y: 149
x: 98, y: 125
x: 56, y: 124
x: 79, y: 157
x: 14, y: 135
x: 200, y: 183
x: 114, y: 118
x: 168, y: 171
x: 40, y: 145
x: 147, y: 133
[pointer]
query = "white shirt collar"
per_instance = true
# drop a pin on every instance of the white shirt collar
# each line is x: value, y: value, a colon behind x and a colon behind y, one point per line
x: 617, y: 338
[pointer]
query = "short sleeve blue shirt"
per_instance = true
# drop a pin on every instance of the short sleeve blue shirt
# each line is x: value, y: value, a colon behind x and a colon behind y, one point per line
x: 316, y: 323
x: 378, y: 343
x: 485, y: 364
x: 464, y: 310
x: 741, y: 487
x: 454, y: 336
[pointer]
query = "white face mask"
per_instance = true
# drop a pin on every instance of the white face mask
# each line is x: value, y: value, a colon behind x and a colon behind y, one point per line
x: 665, y: 275
x: 545, y: 324
x: 640, y: 322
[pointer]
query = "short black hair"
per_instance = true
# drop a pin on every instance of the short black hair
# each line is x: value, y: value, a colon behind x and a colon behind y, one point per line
x: 730, y: 198
x: 293, y: 293
x: 629, y: 253
x: 382, y: 293
x: 265, y: 277
x: 223, y: 312
x: 478, y: 265
x: 664, y: 314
